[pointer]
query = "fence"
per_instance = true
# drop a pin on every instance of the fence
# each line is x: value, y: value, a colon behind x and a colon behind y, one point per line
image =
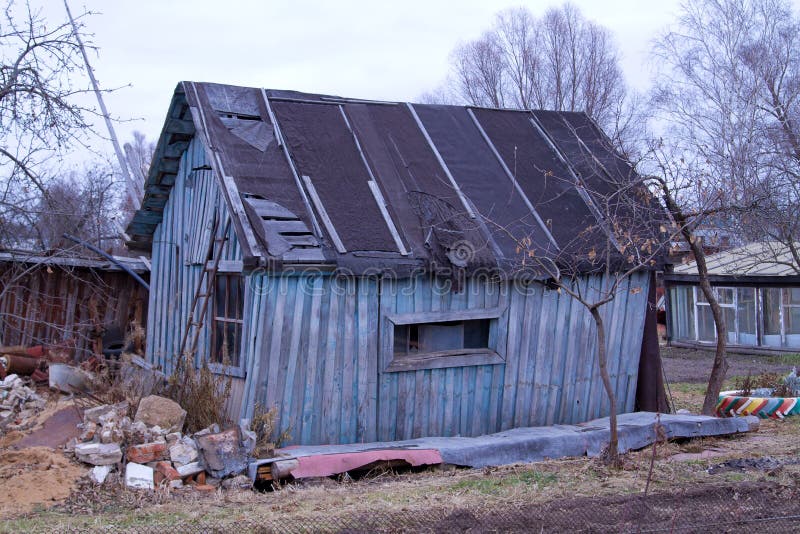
x: 739, y: 507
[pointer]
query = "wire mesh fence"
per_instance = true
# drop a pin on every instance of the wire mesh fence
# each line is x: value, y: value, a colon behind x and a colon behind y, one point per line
x: 740, y: 507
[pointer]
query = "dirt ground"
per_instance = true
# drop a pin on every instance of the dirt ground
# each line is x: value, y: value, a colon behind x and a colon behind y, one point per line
x: 576, y: 494
x: 735, y: 483
x: 36, y: 476
x: 682, y: 365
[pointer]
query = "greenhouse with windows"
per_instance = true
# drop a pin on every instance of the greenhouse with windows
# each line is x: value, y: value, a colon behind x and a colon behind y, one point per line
x: 758, y: 289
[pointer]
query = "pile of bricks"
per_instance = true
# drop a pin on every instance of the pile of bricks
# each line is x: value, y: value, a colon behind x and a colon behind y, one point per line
x: 150, y: 451
x: 19, y: 403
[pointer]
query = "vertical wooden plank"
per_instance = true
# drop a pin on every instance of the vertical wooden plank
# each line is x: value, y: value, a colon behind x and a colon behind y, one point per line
x: 275, y: 324
x: 293, y: 349
x: 310, y: 360
x: 364, y: 332
x: 330, y: 404
x: 347, y: 429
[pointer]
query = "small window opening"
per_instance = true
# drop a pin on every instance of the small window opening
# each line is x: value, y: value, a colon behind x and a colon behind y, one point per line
x: 451, y: 336
x: 228, y: 308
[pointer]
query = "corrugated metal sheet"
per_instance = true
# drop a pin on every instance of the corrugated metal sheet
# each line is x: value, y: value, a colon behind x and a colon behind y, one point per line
x: 755, y: 259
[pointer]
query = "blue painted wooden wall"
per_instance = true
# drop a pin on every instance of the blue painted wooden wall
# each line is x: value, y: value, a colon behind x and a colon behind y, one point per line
x: 316, y: 351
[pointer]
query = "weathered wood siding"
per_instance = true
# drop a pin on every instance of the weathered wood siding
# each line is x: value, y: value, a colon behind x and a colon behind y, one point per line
x: 312, y: 352
x: 179, y: 249
x: 55, y: 304
x: 317, y: 349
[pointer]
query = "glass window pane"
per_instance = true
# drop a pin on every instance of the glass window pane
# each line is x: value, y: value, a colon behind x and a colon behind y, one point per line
x: 792, y: 295
x: 701, y: 297
x: 791, y: 319
x: 401, y: 339
x: 707, y: 331
x: 725, y: 295
x: 771, y: 308
x: 682, y: 312
x: 746, y: 311
x: 476, y: 334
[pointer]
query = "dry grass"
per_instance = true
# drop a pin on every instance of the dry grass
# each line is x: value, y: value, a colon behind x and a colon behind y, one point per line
x: 678, y: 465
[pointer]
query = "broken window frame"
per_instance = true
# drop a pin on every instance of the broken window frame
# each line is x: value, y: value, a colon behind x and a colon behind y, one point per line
x: 399, y: 361
x: 233, y: 316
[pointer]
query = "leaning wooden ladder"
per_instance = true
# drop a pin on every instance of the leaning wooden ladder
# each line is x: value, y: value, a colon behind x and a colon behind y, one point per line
x: 204, y: 290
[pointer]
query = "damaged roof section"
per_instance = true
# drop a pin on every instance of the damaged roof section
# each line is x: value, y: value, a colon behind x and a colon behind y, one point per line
x: 364, y: 185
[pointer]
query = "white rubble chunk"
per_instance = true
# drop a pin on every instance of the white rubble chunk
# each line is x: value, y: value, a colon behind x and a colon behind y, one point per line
x: 99, y: 473
x: 184, y: 451
x: 190, y: 469
x: 138, y: 476
x: 98, y: 453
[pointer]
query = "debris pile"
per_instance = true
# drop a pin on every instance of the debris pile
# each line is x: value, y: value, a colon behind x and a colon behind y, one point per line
x: 19, y: 403
x: 151, y: 451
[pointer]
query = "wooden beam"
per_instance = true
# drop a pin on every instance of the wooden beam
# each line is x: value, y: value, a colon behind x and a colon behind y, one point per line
x: 445, y: 316
x: 323, y: 213
x: 513, y: 179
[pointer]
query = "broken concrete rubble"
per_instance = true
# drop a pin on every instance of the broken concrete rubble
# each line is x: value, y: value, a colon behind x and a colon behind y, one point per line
x: 99, y: 453
x: 162, y: 412
x: 94, y: 415
x: 18, y: 403
x: 190, y: 469
x: 138, y: 476
x: 99, y: 473
x: 160, y: 455
x: 223, y: 452
x: 184, y: 451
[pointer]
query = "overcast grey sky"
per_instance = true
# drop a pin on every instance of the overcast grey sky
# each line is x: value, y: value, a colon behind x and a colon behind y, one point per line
x: 379, y: 50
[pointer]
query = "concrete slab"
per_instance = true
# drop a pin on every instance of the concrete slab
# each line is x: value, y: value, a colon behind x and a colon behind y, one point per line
x: 520, y: 445
x: 56, y: 430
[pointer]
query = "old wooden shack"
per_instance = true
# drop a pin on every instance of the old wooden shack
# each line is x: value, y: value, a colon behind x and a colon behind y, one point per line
x: 367, y: 285
x: 68, y: 301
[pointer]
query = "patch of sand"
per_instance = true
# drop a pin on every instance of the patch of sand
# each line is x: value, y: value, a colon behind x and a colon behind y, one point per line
x: 35, y: 476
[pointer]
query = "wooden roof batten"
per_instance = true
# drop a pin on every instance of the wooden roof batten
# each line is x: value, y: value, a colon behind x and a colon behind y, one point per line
x: 173, y: 142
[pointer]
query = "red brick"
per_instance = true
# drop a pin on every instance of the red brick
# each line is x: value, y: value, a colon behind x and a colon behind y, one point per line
x: 205, y: 487
x: 148, y: 452
x: 166, y: 469
x: 201, y: 478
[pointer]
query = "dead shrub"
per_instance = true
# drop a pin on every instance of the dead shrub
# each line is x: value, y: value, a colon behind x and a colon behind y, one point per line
x: 123, y: 381
x: 268, y: 438
x: 744, y: 385
x: 200, y: 391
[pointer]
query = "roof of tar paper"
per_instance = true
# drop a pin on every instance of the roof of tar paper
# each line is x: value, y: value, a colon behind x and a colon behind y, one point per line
x: 369, y: 186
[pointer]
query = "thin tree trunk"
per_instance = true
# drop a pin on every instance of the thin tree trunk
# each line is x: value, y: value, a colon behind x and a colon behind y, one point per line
x: 612, y: 453
x: 720, y: 367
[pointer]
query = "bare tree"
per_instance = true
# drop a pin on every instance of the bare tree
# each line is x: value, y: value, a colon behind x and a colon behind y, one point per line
x: 84, y: 205
x: 39, y: 117
x: 629, y: 234
x: 560, y: 61
x: 139, y: 154
x: 727, y: 100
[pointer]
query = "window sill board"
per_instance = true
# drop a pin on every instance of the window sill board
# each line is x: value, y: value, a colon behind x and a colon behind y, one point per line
x: 444, y: 359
